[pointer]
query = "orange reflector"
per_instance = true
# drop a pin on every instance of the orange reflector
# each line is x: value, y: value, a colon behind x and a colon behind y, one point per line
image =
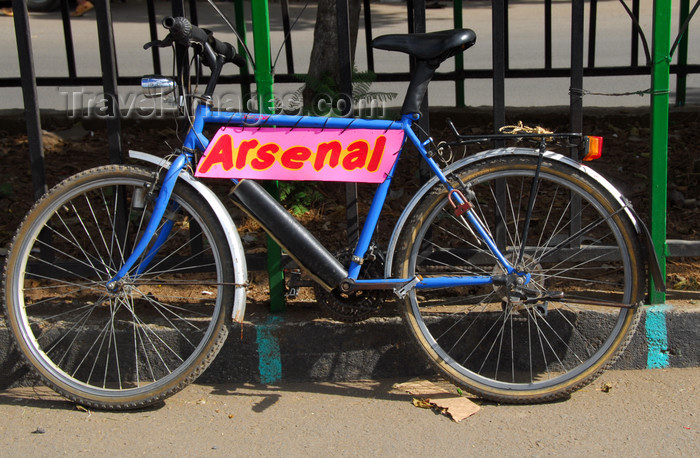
x: 595, y: 148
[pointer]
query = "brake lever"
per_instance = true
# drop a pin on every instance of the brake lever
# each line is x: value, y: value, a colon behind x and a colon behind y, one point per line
x: 164, y: 43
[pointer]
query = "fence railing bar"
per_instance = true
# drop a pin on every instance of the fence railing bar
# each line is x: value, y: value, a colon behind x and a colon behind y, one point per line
x: 681, y: 77
x: 68, y: 39
x: 177, y: 7
x: 576, y: 101
x: 499, y: 63
x: 44, y: 81
x: 29, y: 93
x: 344, y: 55
x: 153, y: 33
x: 194, y: 17
x: 685, y: 17
x: 459, y: 58
x: 506, y: 38
x: 288, y: 53
x: 558, y: 72
x: 108, y: 63
x: 367, y: 14
x: 499, y: 52
x: 635, y: 35
x: 592, y: 21
x: 576, y: 98
x: 245, y: 79
x: 548, y: 34
x: 639, y: 32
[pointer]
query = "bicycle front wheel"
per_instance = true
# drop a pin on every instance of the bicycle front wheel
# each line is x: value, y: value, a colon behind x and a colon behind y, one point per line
x: 542, y: 340
x: 162, y: 326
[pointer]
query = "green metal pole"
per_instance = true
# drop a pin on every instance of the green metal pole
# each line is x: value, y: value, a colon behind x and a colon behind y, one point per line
x: 263, y: 80
x: 660, y: 76
x: 263, y: 62
x: 459, y: 58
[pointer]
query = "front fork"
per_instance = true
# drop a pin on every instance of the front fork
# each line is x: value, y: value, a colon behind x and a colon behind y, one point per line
x: 161, y: 204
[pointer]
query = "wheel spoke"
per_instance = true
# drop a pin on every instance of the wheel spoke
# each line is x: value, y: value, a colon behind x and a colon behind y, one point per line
x: 508, y: 341
x: 128, y: 346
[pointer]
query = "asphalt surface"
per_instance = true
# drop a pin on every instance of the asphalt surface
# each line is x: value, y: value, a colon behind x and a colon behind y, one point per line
x: 625, y: 413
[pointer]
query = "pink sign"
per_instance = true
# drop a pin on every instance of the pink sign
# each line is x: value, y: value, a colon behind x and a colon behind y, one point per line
x: 301, y: 154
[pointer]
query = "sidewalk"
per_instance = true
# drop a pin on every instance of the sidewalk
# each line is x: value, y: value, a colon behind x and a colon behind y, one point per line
x: 640, y: 413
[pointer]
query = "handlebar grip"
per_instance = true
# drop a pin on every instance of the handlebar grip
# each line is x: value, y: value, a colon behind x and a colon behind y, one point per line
x: 180, y: 29
x: 228, y: 51
x: 184, y: 33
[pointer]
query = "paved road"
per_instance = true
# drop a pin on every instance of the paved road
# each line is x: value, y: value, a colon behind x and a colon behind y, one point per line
x: 526, y: 50
x: 644, y: 413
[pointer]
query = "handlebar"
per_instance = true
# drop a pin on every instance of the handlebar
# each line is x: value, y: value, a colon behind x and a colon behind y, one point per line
x: 184, y: 33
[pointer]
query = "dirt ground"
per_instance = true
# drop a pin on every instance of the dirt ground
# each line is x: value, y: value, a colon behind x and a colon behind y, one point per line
x: 72, y: 147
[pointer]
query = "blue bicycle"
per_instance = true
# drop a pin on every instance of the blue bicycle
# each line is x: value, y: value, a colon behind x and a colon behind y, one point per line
x: 518, y: 271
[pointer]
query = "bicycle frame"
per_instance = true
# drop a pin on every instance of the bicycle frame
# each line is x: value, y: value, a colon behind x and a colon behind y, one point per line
x: 196, y: 140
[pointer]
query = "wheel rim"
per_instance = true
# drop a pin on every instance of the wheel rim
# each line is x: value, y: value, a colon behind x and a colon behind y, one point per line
x: 511, y: 346
x: 127, y: 343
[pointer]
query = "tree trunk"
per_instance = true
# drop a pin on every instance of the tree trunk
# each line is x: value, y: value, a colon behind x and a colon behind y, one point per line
x: 323, y: 74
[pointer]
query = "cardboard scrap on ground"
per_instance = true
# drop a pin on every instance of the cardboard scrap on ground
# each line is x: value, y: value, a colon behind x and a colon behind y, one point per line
x: 456, y: 406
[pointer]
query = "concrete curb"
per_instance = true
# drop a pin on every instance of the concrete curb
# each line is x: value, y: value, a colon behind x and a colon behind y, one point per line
x: 276, y: 348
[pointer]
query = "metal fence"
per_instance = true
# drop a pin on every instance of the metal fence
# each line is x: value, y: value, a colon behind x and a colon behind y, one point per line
x: 582, y: 60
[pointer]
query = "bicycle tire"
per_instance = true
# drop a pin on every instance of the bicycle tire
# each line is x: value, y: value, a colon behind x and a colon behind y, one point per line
x: 505, y: 348
x: 155, y: 334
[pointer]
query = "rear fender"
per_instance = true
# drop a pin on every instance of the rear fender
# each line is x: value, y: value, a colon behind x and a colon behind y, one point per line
x: 641, y: 229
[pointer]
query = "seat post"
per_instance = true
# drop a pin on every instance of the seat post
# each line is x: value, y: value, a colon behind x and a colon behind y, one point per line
x: 424, y: 71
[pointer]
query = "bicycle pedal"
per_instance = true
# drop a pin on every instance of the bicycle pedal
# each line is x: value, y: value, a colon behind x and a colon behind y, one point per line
x: 295, y: 282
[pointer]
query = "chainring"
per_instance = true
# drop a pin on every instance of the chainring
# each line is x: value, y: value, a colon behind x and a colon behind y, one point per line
x: 358, y: 305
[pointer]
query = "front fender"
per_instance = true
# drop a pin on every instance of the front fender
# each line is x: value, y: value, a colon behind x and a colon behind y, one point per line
x: 234, y: 242
x: 514, y: 151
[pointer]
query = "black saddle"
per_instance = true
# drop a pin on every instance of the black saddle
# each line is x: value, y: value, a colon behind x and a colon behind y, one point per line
x: 430, y: 50
x: 428, y: 46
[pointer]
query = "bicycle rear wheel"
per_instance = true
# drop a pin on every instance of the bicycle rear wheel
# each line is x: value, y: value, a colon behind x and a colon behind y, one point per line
x: 161, y: 327
x: 562, y: 329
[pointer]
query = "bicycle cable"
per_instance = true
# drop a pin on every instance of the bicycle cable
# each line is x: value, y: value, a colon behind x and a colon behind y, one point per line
x: 235, y: 32
x: 288, y: 35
